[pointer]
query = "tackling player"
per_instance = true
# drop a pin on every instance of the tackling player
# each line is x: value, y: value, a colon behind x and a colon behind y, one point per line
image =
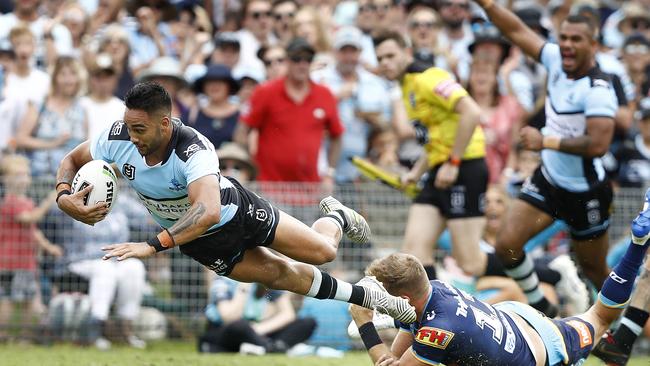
x: 454, y: 328
x: 571, y: 183
x: 212, y: 218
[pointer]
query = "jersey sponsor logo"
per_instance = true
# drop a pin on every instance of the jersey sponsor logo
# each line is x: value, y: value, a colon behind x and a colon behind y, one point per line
x: 128, y: 171
x: 218, y: 265
x: 434, y: 337
x: 191, y: 150
x: 617, y: 278
x: 171, y: 209
x: 117, y: 128
x: 446, y: 88
x: 583, y: 332
x: 601, y: 82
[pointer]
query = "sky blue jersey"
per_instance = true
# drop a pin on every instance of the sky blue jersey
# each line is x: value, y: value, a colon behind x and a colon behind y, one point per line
x: 569, y: 103
x: 162, y: 188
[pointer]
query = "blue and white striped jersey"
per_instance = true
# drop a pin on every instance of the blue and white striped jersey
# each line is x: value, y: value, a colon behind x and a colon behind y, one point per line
x: 569, y: 103
x: 162, y: 188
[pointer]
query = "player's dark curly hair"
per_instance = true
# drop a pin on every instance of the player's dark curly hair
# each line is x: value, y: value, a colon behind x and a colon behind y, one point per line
x: 150, y: 97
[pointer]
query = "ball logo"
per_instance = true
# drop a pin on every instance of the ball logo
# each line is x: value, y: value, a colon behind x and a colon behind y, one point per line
x: 110, y: 189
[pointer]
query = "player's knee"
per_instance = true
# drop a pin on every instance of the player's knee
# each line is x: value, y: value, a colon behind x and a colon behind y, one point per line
x: 507, y: 246
x: 325, y: 254
x: 472, y: 267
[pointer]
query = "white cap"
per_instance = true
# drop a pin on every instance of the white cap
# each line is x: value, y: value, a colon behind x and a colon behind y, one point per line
x: 348, y: 36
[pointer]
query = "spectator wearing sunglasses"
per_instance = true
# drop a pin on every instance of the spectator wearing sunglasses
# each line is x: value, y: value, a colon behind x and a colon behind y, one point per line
x: 292, y: 115
x: 275, y: 61
x: 636, y: 56
x: 457, y: 33
x: 283, y: 12
x: 363, y: 101
x: 424, y: 27
x: 256, y: 32
x: 311, y: 26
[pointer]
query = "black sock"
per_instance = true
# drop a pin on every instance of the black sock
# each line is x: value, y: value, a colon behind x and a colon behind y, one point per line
x: 345, y: 222
x: 631, y: 327
x: 494, y: 266
x: 547, y: 274
x: 325, y: 286
x: 430, y: 269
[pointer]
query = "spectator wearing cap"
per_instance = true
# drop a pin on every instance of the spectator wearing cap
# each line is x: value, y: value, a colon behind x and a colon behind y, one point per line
x: 636, y: 57
x: 115, y: 42
x: 102, y: 107
x: 227, y: 50
x: 26, y: 13
x: 283, y: 12
x: 631, y: 164
x: 292, y: 115
x: 76, y: 20
x: 457, y: 33
x: 25, y: 81
x: 234, y: 161
x: 631, y: 17
x: 216, y: 120
x: 256, y: 32
x: 275, y: 61
x: 166, y: 71
x: 363, y: 101
x: 366, y: 22
x: 309, y: 25
x: 424, y: 26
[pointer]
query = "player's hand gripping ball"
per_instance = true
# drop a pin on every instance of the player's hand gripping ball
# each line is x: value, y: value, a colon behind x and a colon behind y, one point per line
x: 101, y: 176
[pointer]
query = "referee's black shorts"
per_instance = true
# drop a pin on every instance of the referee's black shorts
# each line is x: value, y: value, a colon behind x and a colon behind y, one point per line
x: 466, y: 198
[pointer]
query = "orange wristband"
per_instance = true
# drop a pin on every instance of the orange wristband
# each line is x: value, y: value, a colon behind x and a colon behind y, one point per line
x: 454, y: 161
x: 166, y: 239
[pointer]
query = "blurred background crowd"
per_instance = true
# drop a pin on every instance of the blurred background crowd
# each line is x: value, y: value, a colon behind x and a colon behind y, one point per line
x: 235, y: 70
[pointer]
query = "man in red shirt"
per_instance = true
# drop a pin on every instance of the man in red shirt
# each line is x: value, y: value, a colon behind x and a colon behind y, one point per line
x: 291, y: 115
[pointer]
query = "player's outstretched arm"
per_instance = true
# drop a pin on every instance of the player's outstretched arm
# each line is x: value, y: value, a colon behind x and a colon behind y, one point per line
x: 377, y: 350
x: 594, y: 143
x: 73, y: 204
x: 205, y: 211
x: 513, y: 28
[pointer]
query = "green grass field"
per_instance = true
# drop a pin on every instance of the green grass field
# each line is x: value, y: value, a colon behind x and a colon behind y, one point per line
x: 174, y: 354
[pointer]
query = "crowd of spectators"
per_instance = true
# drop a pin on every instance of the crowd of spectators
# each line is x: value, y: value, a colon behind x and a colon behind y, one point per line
x: 286, y: 90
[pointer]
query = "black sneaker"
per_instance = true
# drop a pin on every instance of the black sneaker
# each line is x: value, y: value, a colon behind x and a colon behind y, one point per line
x: 609, y: 351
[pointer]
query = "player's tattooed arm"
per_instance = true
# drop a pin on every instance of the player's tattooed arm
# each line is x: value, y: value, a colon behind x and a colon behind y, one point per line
x: 191, y: 218
x: 205, y: 212
x: 594, y: 143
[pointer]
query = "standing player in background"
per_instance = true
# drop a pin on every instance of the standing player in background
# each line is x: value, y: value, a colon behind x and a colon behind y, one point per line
x: 212, y: 218
x: 454, y: 190
x: 454, y: 328
x: 571, y: 183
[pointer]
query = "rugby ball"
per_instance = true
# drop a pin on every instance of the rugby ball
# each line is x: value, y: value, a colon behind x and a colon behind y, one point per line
x: 101, y: 176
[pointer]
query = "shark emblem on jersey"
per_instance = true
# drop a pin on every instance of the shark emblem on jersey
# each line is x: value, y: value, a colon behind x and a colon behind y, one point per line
x: 434, y: 337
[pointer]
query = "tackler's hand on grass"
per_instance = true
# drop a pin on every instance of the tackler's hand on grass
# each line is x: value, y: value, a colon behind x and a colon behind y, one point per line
x: 128, y: 250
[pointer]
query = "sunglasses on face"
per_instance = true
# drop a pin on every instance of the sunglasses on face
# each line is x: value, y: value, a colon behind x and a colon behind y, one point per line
x: 281, y: 16
x: 373, y: 7
x: 301, y: 58
x: 270, y: 61
x: 449, y: 4
x: 639, y: 24
x: 260, y: 14
x: 427, y: 25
